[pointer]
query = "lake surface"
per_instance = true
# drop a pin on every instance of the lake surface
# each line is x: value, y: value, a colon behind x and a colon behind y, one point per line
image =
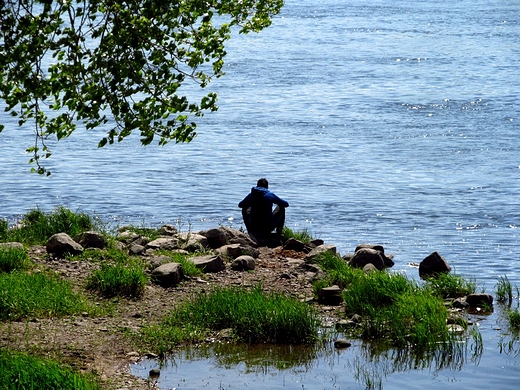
x: 389, y: 122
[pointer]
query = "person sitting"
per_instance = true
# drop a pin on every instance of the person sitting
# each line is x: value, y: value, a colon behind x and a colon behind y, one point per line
x: 258, y: 214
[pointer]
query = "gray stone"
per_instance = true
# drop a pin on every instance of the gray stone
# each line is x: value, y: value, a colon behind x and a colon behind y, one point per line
x: 168, y: 230
x: 136, y: 249
x: 60, y: 244
x: 156, y: 261
x: 292, y: 244
x: 192, y: 242
x: 216, y: 237
x: 235, y: 250
x: 365, y: 256
x: 330, y: 295
x: 243, y: 263
x: 432, y: 265
x: 128, y: 236
x: 166, y: 243
x: 369, y: 268
x: 319, y: 250
x: 168, y: 275
x: 209, y: 263
x: 92, y: 239
x: 376, y: 247
x: 11, y: 245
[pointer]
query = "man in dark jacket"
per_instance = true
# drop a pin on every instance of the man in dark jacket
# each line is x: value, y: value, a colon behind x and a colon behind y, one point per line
x: 257, y: 211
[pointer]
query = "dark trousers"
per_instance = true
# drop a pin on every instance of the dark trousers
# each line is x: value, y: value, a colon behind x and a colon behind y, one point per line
x: 277, y: 221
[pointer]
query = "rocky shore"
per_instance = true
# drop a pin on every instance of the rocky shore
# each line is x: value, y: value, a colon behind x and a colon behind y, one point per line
x: 228, y: 257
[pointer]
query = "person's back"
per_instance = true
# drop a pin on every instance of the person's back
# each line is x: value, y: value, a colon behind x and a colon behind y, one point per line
x: 257, y: 211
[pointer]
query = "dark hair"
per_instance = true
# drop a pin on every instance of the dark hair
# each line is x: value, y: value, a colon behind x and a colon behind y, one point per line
x: 262, y: 183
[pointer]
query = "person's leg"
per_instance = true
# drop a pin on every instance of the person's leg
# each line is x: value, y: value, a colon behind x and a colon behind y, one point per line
x: 246, y: 215
x: 279, y: 219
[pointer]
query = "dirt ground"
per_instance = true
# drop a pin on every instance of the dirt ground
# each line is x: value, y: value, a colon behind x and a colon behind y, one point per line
x: 97, y: 344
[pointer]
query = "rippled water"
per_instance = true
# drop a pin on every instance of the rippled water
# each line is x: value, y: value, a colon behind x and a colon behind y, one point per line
x: 392, y: 122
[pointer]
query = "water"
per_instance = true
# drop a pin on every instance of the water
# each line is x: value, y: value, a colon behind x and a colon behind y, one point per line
x: 386, y: 122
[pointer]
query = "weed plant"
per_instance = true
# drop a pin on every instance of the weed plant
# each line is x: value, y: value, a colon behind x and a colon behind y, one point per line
x: 4, y: 228
x: 36, y: 227
x: 188, y: 267
x: 12, y: 259
x: 302, y: 235
x: 122, y: 278
x: 504, y: 290
x: 253, y: 315
x: 514, y: 320
x: 38, y: 295
x: 446, y: 285
x: 20, y: 371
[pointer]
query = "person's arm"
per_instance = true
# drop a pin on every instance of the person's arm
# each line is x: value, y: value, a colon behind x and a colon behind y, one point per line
x: 278, y: 201
x: 246, y: 202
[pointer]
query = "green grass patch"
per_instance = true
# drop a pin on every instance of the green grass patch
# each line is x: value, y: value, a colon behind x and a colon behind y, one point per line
x: 300, y: 235
x: 38, y: 295
x: 20, y: 371
x: 504, y: 290
x: 514, y: 320
x: 254, y: 316
x: 36, y: 227
x: 12, y: 259
x: 124, y: 278
x: 446, y: 285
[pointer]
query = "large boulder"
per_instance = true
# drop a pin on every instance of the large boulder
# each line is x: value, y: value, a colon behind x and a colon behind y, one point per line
x: 364, y: 256
x: 479, y: 300
x: 92, y: 239
x: 61, y: 244
x: 432, y: 265
x: 234, y: 236
x: 209, y: 263
x: 168, y: 275
x: 216, y: 237
x: 387, y: 259
x: 320, y: 250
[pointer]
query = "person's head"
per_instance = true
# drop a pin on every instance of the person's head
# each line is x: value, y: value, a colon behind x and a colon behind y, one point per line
x: 262, y: 183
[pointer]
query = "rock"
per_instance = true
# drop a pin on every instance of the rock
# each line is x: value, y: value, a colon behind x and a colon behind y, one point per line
x: 154, y: 373
x: 330, y: 295
x: 479, y: 300
x: 316, y: 242
x: 319, y: 250
x: 234, y: 236
x: 168, y: 275
x: 369, y: 268
x: 156, y: 261
x: 292, y: 244
x: 166, y: 243
x: 128, y: 236
x: 216, y: 237
x: 342, y: 343
x: 92, y: 239
x: 235, y: 250
x: 375, y: 247
x: 136, y: 249
x: 60, y: 244
x: 243, y: 263
x: 432, y: 265
x: 209, y: 263
x: 11, y: 245
x: 167, y: 230
x: 192, y: 242
x: 365, y: 256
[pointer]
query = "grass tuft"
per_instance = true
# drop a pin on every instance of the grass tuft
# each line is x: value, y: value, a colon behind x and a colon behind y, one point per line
x: 254, y: 316
x: 36, y: 227
x: 123, y: 278
x: 12, y: 259
x: 21, y: 371
x: 446, y: 285
x: 504, y: 289
x: 37, y: 295
x: 302, y: 235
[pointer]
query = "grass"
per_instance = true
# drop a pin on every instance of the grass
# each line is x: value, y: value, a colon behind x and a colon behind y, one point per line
x: 122, y: 278
x: 37, y: 226
x: 504, y: 289
x: 301, y: 235
x: 19, y: 371
x: 254, y: 316
x: 12, y: 259
x: 446, y: 286
x: 393, y: 308
x: 514, y: 320
x: 38, y: 295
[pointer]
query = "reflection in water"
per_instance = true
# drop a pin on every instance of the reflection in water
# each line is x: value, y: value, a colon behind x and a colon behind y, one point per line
x: 368, y: 364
